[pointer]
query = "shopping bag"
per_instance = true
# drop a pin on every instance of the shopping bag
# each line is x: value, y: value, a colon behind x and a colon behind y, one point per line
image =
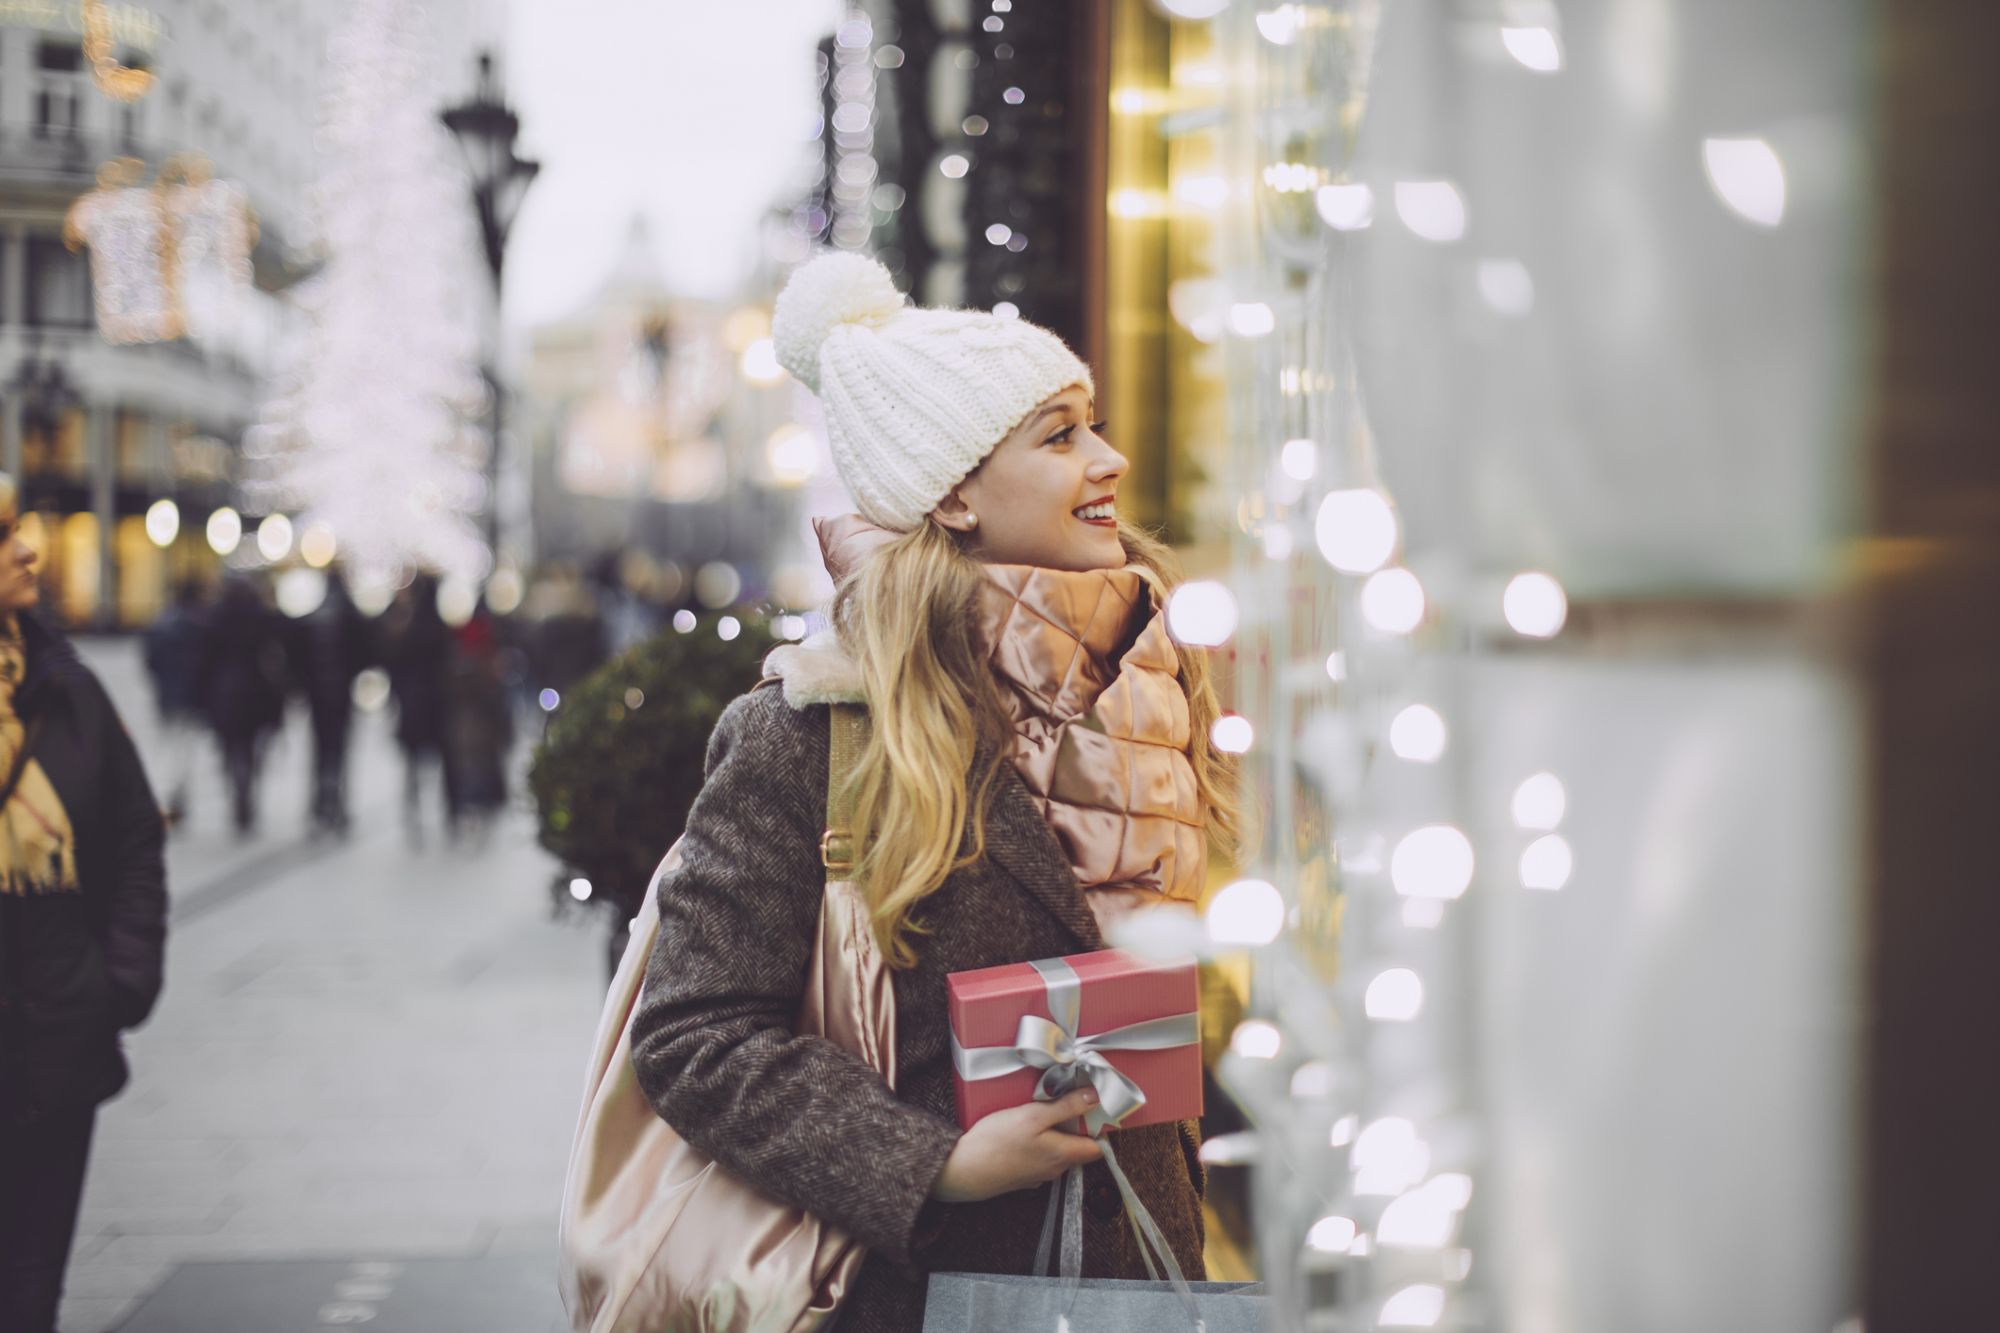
x: 1002, y: 1303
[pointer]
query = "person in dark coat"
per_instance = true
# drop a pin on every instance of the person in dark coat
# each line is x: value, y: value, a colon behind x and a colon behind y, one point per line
x: 330, y: 646
x: 419, y: 658
x: 176, y: 648
x: 244, y: 684
x: 481, y: 722
x: 83, y: 909
x: 1038, y: 766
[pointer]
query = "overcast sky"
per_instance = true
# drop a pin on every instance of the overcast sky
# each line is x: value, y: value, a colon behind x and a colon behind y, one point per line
x: 690, y: 112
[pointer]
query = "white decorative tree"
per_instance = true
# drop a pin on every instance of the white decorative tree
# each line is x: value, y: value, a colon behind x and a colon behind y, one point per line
x: 372, y: 428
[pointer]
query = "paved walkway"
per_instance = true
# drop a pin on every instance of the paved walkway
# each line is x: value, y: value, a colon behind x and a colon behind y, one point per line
x: 365, y: 1055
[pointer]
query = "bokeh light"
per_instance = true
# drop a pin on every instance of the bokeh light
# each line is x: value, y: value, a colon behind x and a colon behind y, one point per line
x: 1418, y: 734
x: 1394, y: 996
x: 1539, y: 802
x: 1434, y: 861
x: 1393, y: 601
x: 163, y: 522
x: 1202, y: 613
x: 1247, y: 912
x: 1355, y: 530
x: 1535, y: 605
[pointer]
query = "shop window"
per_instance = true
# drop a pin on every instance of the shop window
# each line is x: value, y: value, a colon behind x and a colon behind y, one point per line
x: 58, y: 285
x: 77, y: 591
x: 55, y: 447
x: 131, y: 435
x: 139, y: 573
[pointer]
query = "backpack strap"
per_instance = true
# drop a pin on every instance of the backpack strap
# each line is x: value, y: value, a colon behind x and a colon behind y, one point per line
x: 848, y: 724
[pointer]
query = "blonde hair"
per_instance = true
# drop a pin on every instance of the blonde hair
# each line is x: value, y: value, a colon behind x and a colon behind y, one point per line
x: 906, y: 618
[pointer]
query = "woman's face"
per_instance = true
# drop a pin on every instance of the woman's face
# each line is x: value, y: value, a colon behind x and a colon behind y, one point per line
x: 1045, y: 496
x: 19, y: 588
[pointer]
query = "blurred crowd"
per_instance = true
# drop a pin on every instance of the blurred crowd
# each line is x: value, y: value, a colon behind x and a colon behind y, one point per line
x: 227, y: 667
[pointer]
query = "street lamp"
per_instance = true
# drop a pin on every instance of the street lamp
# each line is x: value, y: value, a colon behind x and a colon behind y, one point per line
x: 486, y: 128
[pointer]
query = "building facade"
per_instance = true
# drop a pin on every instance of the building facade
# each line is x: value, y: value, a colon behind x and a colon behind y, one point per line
x: 100, y: 432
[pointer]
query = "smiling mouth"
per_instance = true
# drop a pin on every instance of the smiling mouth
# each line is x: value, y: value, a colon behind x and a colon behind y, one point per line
x: 1101, y: 514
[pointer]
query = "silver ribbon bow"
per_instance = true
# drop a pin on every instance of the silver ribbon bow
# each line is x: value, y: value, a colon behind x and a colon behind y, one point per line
x: 1066, y: 1061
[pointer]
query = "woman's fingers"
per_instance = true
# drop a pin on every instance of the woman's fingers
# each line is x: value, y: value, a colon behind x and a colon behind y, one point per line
x: 1072, y: 1105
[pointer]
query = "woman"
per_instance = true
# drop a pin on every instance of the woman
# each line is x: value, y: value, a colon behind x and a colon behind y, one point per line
x: 1004, y: 630
x: 83, y: 908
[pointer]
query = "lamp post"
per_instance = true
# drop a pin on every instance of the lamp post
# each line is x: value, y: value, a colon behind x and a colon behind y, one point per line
x: 486, y: 128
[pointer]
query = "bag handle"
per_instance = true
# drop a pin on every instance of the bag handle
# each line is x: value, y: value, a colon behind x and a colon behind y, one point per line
x: 21, y: 758
x: 848, y: 734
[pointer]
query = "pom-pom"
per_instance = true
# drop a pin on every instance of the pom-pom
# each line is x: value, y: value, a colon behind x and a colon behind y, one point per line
x: 836, y: 288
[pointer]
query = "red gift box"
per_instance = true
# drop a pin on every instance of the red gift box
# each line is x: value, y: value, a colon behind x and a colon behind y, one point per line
x: 1140, y: 1017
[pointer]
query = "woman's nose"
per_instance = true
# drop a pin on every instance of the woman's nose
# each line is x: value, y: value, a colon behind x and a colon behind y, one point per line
x: 1108, y: 464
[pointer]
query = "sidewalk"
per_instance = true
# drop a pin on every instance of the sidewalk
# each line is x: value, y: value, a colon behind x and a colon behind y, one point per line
x: 365, y: 1055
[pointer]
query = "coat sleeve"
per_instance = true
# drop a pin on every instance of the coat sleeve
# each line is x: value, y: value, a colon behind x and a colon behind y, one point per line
x: 136, y: 872
x: 713, y: 1041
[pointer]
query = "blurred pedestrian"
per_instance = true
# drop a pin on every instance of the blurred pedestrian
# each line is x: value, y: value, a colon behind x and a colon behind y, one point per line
x: 244, y: 683
x: 418, y: 653
x: 481, y: 725
x: 330, y: 646
x: 82, y: 929
x: 176, y: 647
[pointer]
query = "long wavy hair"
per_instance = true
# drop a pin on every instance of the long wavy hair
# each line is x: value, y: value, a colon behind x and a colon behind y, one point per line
x: 940, y: 731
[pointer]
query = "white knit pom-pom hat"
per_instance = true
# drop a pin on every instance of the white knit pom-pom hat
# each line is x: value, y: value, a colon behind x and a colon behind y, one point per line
x: 915, y: 398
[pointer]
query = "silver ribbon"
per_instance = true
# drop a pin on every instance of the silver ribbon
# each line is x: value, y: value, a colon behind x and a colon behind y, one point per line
x: 1067, y: 1060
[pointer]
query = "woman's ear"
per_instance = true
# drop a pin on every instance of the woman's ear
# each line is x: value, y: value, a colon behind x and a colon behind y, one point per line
x: 954, y: 515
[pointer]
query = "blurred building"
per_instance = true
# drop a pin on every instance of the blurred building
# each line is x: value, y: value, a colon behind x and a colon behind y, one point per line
x: 98, y: 431
x: 663, y: 426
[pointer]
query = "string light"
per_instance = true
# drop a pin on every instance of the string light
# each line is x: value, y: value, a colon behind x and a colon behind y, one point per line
x: 225, y: 530
x: 1535, y: 605
x: 1248, y: 912
x: 1419, y: 1306
x: 1388, y: 1157
x: 1331, y: 1235
x: 1345, y: 206
x: 1299, y: 459
x: 1394, y: 996
x: 274, y: 537
x: 1202, y: 612
x: 1356, y: 530
x: 1535, y: 48
x: 1547, y: 863
x: 1747, y: 177
x: 1434, y: 861
x: 1393, y: 601
x: 1255, y: 1039
x: 1418, y: 734
x: 1232, y: 734
x: 1433, y: 210
x: 1539, y: 802
x: 163, y: 522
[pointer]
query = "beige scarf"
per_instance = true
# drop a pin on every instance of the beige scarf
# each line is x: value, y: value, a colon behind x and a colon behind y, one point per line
x: 37, y: 845
x: 1102, y: 732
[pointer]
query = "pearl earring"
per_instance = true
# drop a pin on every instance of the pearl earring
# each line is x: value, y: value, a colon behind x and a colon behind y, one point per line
x: 971, y: 521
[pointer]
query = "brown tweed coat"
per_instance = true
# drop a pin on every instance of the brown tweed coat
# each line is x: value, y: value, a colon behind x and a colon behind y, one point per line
x: 799, y: 1117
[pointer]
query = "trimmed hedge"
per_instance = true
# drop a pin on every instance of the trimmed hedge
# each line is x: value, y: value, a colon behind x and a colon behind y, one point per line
x: 613, y: 782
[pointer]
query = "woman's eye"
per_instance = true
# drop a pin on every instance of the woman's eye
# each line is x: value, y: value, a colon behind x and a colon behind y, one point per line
x: 1061, y: 436
x: 1097, y: 427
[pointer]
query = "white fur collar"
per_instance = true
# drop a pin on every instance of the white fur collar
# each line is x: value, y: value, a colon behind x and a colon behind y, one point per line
x: 817, y: 671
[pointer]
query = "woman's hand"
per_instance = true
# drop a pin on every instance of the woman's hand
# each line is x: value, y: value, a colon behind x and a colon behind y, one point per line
x: 1016, y: 1149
